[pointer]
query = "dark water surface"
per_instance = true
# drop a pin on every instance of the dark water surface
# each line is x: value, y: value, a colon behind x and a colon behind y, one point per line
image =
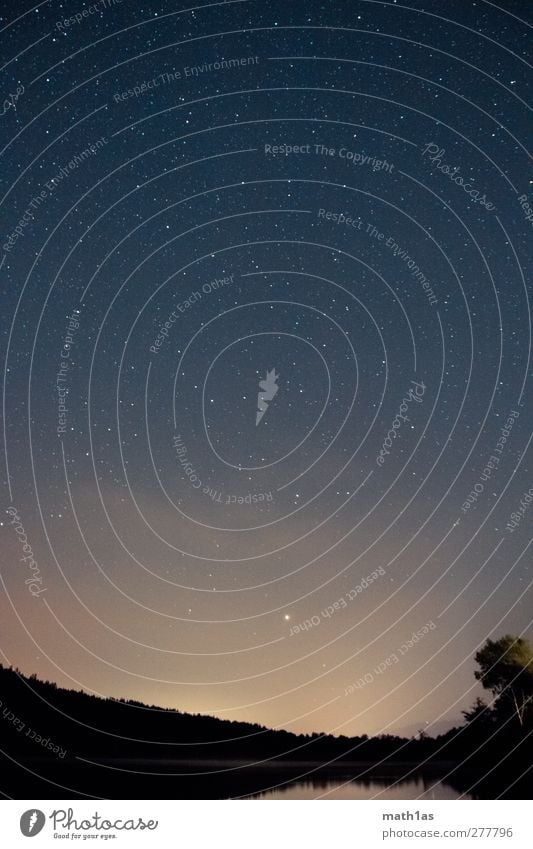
x: 112, y: 778
x: 415, y: 788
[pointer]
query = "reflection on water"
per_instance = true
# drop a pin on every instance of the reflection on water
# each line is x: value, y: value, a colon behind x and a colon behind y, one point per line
x: 375, y: 788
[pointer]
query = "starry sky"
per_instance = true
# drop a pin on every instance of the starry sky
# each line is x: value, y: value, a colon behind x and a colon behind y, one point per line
x: 321, y: 211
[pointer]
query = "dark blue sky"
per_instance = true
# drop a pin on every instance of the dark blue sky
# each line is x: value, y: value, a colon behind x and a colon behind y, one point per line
x: 192, y: 198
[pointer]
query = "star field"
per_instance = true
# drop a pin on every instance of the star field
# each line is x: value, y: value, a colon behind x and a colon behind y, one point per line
x: 333, y: 193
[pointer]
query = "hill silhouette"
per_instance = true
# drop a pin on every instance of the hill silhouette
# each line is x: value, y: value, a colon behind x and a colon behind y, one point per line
x: 57, y: 742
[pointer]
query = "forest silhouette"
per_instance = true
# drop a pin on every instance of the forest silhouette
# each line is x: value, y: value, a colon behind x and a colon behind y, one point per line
x: 57, y: 742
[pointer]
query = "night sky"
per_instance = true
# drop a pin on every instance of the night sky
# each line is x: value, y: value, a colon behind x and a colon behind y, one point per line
x: 332, y: 199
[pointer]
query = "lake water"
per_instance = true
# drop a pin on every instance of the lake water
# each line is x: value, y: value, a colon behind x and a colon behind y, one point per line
x: 416, y: 788
x: 215, y: 779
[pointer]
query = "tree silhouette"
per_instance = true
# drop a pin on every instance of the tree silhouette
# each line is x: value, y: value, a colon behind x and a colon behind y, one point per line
x: 506, y: 669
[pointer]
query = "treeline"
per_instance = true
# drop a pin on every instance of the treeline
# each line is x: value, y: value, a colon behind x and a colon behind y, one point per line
x: 81, y: 724
x: 75, y: 738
